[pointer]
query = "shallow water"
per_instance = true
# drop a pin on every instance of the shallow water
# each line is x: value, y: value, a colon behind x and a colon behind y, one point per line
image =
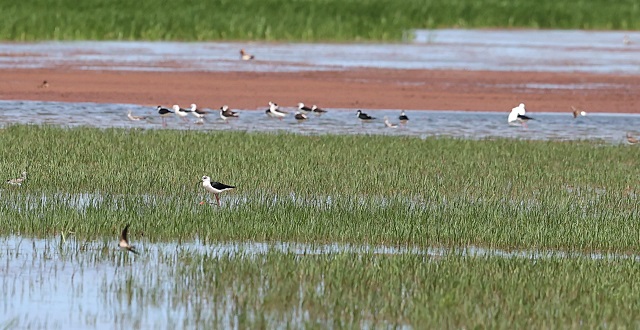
x: 56, y: 283
x: 495, y: 50
x: 610, y: 128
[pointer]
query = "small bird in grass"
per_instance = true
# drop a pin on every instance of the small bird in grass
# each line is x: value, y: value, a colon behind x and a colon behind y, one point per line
x: 403, y: 118
x: 124, y: 242
x: 577, y: 112
x: 164, y: 113
x: 215, y: 187
x: 317, y: 110
x: 18, y: 181
x: 388, y: 123
x: 245, y: 56
x: 363, y: 116
x: 44, y: 84
x: 631, y: 139
x: 133, y: 117
x: 300, y: 116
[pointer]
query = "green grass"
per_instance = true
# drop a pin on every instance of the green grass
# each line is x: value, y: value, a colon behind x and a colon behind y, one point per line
x: 356, y: 189
x: 302, y: 20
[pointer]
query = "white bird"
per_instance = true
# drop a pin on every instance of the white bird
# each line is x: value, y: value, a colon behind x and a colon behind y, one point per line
x: 388, y: 123
x: 18, y: 181
x: 198, y: 113
x: 517, y: 114
x: 133, y: 117
x: 215, y: 187
x: 182, y: 113
x: 124, y: 242
x: 274, y: 112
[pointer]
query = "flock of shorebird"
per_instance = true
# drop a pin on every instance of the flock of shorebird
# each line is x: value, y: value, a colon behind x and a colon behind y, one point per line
x: 273, y: 111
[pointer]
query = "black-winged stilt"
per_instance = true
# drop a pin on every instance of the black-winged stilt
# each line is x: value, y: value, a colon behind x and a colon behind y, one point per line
x: 198, y: 113
x: 134, y: 117
x: 181, y: 112
x: 215, y: 187
x: 317, y: 110
x: 577, y: 112
x: 517, y: 115
x: 300, y: 116
x: 274, y: 112
x: 124, y: 242
x: 303, y: 108
x: 245, y: 56
x: 363, y: 116
x: 18, y: 181
x: 226, y: 113
x: 403, y: 118
x: 164, y: 113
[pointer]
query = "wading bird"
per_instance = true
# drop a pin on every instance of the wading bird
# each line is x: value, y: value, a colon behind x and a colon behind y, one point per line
x: 18, y: 181
x: 124, y: 242
x: 164, y: 113
x: 517, y: 115
x: 245, y: 56
x: 215, y: 187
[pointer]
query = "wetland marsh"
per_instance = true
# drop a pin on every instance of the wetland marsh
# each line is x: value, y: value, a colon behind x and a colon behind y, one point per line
x: 401, y: 196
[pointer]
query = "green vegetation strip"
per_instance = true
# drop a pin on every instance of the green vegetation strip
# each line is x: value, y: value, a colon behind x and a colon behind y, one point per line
x: 300, y: 20
x: 577, y: 196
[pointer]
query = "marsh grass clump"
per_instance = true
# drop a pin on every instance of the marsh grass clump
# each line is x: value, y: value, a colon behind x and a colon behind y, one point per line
x: 313, y: 20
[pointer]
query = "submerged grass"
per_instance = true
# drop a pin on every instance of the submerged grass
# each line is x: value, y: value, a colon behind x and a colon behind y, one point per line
x: 312, y: 20
x: 174, y: 286
x: 358, y: 189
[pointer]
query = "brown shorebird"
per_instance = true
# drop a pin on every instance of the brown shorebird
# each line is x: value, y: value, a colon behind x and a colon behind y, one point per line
x: 245, y: 56
x: 631, y: 139
x: 124, y: 242
x: 44, y: 84
x: 215, y: 187
x: 388, y: 123
x: 577, y: 112
x: 133, y: 117
x: 18, y: 181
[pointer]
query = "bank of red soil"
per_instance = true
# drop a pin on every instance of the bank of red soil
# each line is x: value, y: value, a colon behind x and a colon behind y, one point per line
x: 370, y: 89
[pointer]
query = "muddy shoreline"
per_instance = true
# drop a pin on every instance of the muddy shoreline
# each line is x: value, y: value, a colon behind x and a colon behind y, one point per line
x: 360, y: 88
